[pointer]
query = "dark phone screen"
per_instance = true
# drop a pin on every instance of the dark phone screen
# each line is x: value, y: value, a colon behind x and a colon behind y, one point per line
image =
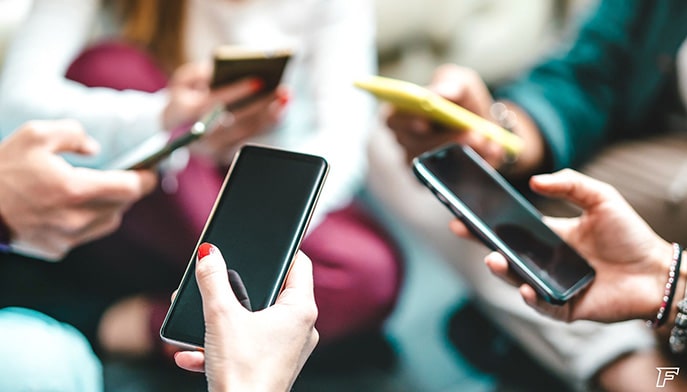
x: 258, y: 223
x: 268, y: 70
x: 507, y: 214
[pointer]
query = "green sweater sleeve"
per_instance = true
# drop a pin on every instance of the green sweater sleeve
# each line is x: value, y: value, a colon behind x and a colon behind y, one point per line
x: 609, y: 80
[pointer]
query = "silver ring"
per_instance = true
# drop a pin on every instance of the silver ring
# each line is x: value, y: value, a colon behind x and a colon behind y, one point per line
x: 227, y: 120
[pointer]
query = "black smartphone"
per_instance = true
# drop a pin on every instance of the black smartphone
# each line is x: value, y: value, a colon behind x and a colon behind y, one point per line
x: 232, y: 63
x: 195, y: 132
x: 257, y: 222
x: 504, y: 220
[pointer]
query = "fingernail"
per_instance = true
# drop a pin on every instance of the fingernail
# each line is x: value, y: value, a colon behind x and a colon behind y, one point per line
x: 284, y: 97
x: 445, y: 89
x: 543, y: 178
x: 256, y: 85
x: 205, y: 249
x: 92, y: 146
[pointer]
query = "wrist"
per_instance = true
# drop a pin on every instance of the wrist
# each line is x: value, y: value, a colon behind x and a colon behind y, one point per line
x: 658, y: 275
x: 248, y: 378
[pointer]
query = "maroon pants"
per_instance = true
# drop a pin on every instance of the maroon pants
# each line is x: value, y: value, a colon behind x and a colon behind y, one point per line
x: 357, y: 269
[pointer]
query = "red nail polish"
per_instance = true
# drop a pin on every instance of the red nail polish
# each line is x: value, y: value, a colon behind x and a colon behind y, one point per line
x: 256, y: 85
x: 283, y: 97
x: 205, y: 249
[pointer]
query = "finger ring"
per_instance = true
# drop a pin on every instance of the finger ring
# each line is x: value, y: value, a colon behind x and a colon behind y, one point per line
x: 227, y: 119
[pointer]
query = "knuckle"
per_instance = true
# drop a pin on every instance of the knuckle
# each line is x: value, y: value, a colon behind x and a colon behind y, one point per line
x: 309, y: 315
x: 314, y: 338
x: 33, y: 130
x: 74, y: 193
x: 112, y: 224
x: 74, y: 224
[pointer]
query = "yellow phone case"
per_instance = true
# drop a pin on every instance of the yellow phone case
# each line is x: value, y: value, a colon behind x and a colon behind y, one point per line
x: 417, y: 99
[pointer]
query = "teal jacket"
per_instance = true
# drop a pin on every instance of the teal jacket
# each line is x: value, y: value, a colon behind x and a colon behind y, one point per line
x: 617, y: 80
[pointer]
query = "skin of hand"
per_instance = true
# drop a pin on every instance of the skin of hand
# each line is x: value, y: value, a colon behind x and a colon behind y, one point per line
x: 257, y: 351
x: 190, y: 97
x: 630, y: 259
x: 51, y: 206
x: 466, y: 88
x: 252, y: 119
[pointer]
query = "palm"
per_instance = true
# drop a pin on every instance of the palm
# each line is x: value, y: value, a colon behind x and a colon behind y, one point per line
x: 619, y: 245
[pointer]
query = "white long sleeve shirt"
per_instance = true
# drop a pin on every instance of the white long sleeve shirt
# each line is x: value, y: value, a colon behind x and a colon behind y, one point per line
x: 333, y: 42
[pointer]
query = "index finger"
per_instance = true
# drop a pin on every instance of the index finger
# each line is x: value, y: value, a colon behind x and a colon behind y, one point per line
x: 236, y: 91
x: 400, y: 120
x: 458, y: 228
x: 113, y: 185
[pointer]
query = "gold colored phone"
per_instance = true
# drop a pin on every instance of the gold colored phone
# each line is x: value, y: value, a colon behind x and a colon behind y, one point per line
x: 233, y: 63
x: 417, y: 99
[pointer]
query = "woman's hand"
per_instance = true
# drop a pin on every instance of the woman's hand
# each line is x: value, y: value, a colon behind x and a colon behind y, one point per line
x: 255, y: 118
x: 245, y: 350
x: 190, y: 97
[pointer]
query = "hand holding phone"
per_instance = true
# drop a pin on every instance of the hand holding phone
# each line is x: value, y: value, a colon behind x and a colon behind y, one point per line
x: 284, y: 333
x: 419, y: 100
x: 503, y: 220
x: 232, y: 63
x: 134, y: 162
x: 258, y: 222
x: 631, y: 261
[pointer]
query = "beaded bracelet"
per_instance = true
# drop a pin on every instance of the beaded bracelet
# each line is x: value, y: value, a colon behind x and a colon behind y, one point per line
x: 678, y: 334
x: 669, y: 291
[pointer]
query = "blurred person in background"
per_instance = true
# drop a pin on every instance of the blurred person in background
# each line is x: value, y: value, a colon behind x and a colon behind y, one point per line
x: 608, y: 103
x: 48, y: 207
x: 631, y: 261
x: 145, y: 74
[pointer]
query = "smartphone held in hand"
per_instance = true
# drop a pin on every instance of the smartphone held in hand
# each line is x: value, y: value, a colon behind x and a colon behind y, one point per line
x: 233, y: 63
x: 499, y: 216
x: 258, y: 222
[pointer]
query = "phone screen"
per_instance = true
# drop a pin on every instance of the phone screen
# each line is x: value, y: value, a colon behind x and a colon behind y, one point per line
x: 502, y: 218
x: 258, y: 222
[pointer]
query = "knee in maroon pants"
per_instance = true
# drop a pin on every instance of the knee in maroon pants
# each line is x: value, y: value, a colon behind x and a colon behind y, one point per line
x: 357, y: 271
x: 117, y: 65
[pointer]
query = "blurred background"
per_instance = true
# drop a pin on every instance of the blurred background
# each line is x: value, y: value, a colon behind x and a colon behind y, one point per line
x: 498, y: 38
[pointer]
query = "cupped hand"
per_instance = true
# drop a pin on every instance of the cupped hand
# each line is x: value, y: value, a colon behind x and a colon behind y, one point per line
x: 245, y: 350
x: 464, y: 87
x: 630, y: 259
x: 51, y: 206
